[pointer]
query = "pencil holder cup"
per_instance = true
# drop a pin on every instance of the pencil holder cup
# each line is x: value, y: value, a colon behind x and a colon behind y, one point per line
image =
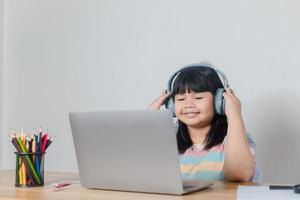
x: 29, y: 169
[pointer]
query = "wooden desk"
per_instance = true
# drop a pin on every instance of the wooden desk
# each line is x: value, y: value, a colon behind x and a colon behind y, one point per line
x: 219, y: 190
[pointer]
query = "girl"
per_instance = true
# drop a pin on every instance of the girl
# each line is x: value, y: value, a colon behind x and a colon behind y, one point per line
x: 211, y: 146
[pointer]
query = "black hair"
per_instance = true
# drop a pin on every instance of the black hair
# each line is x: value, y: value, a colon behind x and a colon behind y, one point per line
x: 199, y: 79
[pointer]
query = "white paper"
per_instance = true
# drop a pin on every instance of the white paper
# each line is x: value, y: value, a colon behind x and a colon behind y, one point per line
x: 263, y: 192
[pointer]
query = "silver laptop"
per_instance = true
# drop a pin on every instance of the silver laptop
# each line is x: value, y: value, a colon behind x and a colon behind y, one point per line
x: 129, y: 151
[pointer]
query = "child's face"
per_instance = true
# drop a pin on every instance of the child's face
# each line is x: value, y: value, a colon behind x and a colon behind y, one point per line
x: 194, y: 109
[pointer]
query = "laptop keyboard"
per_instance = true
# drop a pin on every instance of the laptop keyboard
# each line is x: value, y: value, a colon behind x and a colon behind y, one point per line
x: 186, y: 187
x: 190, y: 184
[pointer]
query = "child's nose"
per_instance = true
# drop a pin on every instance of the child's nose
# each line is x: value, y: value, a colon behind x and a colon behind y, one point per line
x: 189, y: 103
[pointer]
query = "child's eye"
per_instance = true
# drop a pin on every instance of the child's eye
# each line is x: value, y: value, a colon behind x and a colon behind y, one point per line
x: 180, y: 99
x: 199, y: 98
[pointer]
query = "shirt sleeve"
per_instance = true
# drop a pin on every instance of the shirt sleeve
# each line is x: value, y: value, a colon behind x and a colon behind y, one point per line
x: 257, y: 172
x: 251, y: 143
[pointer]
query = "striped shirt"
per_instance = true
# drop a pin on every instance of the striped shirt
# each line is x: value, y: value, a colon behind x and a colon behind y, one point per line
x: 197, y: 163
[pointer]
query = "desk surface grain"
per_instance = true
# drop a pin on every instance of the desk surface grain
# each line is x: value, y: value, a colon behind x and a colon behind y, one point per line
x: 220, y: 190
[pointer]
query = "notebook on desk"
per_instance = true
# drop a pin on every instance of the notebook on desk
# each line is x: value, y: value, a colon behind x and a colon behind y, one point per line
x: 129, y: 151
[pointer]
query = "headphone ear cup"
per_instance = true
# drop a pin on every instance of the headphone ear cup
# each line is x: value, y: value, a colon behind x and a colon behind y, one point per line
x: 219, y: 102
x: 170, y: 105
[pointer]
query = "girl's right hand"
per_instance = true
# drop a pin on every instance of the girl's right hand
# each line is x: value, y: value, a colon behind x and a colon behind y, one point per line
x: 157, y: 103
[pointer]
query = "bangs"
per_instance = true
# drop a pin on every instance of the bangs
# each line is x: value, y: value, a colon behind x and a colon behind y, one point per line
x: 192, y: 81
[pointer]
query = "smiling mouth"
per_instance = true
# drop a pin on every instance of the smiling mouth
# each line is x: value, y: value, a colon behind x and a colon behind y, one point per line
x: 191, y: 114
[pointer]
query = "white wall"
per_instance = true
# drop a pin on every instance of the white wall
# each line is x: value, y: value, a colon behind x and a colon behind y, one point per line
x: 64, y: 55
x: 1, y: 78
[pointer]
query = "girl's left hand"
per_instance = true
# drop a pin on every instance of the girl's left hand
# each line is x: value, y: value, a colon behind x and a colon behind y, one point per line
x: 232, y: 104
